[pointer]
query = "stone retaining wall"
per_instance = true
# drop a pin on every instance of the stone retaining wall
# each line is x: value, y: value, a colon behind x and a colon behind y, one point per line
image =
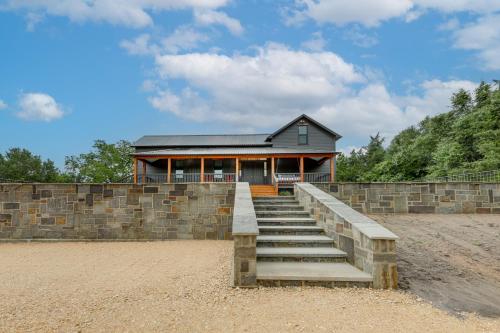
x: 369, y: 246
x: 116, y: 211
x: 402, y: 198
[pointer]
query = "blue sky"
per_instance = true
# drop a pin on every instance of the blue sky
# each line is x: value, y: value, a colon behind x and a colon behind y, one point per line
x: 75, y: 71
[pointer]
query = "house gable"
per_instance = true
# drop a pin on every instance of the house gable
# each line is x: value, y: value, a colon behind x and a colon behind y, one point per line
x: 319, y: 136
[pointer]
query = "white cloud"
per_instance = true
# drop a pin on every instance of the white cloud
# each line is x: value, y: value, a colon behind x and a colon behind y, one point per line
x: 210, y: 17
x: 360, y: 38
x: 371, y: 13
x: 183, y: 38
x: 367, y: 12
x: 32, y: 19
x: 316, y: 43
x: 450, y: 25
x: 39, y: 106
x: 482, y: 36
x: 3, y: 105
x: 278, y: 83
x: 139, y: 45
x: 132, y: 13
x: 434, y: 99
x: 451, y: 6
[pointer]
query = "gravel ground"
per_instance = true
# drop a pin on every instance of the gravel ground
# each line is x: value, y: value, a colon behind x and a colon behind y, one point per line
x: 452, y: 261
x: 182, y: 286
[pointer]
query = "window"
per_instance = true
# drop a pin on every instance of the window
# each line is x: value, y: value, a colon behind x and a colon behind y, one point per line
x: 303, y: 135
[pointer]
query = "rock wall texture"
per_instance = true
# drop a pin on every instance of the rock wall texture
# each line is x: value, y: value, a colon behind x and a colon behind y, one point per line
x: 116, y: 211
x: 402, y: 198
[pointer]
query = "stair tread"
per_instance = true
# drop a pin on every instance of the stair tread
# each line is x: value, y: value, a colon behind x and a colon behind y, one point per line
x: 299, y: 207
x: 301, y: 212
x: 300, y: 252
x: 288, y: 219
x: 290, y: 227
x: 293, y: 238
x: 310, y: 271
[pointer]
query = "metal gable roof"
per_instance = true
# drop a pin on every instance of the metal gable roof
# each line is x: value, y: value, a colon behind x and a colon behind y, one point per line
x: 228, y: 140
x: 323, y: 127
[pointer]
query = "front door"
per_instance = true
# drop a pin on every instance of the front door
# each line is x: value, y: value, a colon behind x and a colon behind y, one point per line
x: 253, y: 172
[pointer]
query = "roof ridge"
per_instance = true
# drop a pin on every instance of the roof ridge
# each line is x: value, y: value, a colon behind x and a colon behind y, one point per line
x: 241, y: 134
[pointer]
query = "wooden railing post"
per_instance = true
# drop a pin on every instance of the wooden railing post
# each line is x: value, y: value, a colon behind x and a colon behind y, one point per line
x: 202, y: 170
x: 143, y: 171
x: 237, y: 169
x: 169, y: 169
x: 332, y: 169
x: 302, y: 169
x: 272, y: 170
x: 135, y: 170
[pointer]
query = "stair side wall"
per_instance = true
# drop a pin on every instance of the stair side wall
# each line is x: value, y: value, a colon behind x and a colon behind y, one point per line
x: 369, y: 246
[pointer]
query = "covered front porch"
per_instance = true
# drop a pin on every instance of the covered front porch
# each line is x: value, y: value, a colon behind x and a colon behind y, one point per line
x: 277, y: 169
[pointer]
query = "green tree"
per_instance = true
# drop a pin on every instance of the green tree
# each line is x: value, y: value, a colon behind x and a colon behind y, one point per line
x: 465, y: 139
x: 461, y: 102
x: 107, y: 163
x: 21, y: 165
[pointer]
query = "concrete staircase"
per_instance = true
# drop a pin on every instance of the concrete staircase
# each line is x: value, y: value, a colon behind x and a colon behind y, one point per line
x: 293, y: 251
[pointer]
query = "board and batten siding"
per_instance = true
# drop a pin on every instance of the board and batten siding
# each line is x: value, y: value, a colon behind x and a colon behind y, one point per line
x: 317, y: 137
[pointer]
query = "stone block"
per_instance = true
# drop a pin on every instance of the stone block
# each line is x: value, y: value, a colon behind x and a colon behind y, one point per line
x: 150, y: 189
x: 483, y: 210
x: 95, y: 189
x: 421, y: 209
x: 47, y: 220
x: 107, y: 193
x: 11, y: 205
x: 46, y: 193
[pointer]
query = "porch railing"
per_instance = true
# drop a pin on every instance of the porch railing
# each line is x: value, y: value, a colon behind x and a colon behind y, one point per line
x: 286, y: 178
x: 219, y: 177
x: 309, y: 177
x: 316, y: 177
x: 186, y: 178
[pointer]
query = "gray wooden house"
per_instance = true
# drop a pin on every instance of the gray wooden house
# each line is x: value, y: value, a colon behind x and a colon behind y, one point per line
x: 301, y: 150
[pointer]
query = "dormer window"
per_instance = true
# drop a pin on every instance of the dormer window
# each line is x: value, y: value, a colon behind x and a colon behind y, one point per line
x: 303, y: 139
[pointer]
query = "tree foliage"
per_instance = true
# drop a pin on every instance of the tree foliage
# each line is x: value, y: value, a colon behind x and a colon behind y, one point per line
x: 106, y: 163
x: 465, y: 139
x: 21, y: 165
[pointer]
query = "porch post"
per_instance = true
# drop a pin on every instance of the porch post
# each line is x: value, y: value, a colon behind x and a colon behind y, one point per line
x: 143, y: 171
x: 272, y: 170
x: 301, y: 169
x: 169, y: 169
x: 135, y: 170
x: 332, y: 169
x: 202, y: 170
x: 237, y: 169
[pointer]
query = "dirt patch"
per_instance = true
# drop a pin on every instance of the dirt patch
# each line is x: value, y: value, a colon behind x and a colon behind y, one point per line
x: 452, y: 261
x: 183, y: 286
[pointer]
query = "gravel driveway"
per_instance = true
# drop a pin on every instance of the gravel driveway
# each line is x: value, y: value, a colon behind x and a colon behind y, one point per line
x: 182, y: 286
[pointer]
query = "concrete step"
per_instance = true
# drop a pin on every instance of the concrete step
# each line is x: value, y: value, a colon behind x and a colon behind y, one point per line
x: 302, y: 254
x: 286, y: 221
x: 294, y: 241
x: 282, y: 213
x: 275, y: 197
x: 278, y: 207
x: 290, y: 230
x: 311, y: 274
x: 258, y: 203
